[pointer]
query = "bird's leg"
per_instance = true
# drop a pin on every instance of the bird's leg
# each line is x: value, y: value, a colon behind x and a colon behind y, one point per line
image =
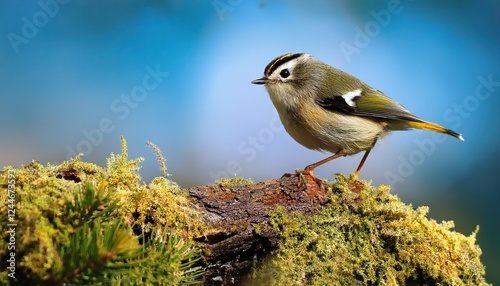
x: 309, y: 169
x: 364, y: 159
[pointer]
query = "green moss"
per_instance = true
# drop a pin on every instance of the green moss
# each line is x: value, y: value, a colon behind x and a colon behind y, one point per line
x: 359, y: 238
x: 83, y: 170
x: 369, y: 238
x: 159, y: 202
x: 122, y: 172
x: 233, y: 182
x: 257, y: 228
x: 161, y: 159
x: 58, y: 207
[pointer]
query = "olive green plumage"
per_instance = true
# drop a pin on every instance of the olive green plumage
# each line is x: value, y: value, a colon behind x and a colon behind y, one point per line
x: 326, y: 109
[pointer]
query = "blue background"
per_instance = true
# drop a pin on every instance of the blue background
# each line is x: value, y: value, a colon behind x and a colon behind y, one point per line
x: 67, y: 67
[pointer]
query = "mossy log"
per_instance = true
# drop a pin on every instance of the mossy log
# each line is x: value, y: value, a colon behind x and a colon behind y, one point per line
x: 287, y: 231
x: 236, y: 215
x: 292, y: 232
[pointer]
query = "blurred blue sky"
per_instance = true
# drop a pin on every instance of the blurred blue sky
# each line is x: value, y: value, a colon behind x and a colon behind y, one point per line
x: 75, y: 75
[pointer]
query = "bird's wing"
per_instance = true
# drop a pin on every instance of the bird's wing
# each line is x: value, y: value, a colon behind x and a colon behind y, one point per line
x: 373, y: 104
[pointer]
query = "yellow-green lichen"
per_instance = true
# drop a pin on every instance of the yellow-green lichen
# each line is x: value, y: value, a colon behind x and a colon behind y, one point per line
x: 52, y: 208
x: 369, y: 238
x: 233, y: 182
x: 83, y: 170
x: 159, y: 202
x: 122, y: 172
x: 161, y: 159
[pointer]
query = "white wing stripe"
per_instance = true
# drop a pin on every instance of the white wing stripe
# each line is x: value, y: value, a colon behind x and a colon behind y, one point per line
x: 349, y: 97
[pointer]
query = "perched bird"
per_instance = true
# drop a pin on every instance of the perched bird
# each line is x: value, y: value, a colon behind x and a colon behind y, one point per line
x: 326, y: 109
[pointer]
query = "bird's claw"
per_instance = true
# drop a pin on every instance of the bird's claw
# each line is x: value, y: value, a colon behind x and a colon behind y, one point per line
x: 302, y: 178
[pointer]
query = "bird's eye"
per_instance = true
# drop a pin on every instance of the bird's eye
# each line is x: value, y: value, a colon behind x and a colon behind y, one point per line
x: 284, y: 73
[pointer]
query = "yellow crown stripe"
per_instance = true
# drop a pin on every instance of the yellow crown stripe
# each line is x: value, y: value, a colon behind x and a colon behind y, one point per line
x: 273, y: 65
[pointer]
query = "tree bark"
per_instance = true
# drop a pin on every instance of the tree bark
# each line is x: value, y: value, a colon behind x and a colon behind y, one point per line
x: 234, y: 214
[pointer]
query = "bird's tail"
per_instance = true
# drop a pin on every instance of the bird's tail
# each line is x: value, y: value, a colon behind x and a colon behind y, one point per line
x: 434, y: 127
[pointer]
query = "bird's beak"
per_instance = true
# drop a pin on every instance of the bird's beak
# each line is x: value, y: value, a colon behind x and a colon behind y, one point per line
x: 263, y: 80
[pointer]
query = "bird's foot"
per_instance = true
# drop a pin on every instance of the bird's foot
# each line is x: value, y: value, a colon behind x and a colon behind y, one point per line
x: 312, y: 187
x: 305, y: 177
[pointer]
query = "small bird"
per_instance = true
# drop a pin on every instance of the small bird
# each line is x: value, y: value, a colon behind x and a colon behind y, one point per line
x: 326, y: 109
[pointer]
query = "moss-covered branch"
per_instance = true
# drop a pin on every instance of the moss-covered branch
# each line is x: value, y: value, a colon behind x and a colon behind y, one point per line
x: 369, y: 237
x: 80, y: 223
x: 282, y: 232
